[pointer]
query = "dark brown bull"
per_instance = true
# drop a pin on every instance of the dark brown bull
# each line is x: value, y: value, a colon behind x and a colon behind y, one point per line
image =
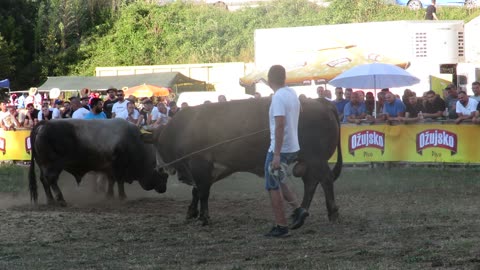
x: 112, y: 147
x: 207, y: 143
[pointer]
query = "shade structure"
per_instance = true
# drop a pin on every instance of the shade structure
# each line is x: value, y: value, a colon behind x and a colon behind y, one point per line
x: 325, y: 64
x: 374, y: 76
x: 147, y: 90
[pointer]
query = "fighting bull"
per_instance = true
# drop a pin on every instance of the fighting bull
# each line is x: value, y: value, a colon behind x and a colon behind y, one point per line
x: 207, y: 143
x: 111, y: 147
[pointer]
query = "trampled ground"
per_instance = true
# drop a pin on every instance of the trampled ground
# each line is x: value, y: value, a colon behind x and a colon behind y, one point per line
x: 390, y: 219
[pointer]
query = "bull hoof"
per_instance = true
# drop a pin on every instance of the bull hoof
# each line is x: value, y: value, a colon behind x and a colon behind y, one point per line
x: 204, y: 220
x: 334, y: 217
x: 192, y: 213
x: 62, y: 203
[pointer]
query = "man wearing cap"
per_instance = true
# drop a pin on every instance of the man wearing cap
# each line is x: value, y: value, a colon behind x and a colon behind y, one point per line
x: 108, y: 103
x: 283, y: 118
x: 84, y: 101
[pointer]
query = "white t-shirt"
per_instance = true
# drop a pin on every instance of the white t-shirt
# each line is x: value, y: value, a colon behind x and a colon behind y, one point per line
x: 80, y: 113
x: 285, y: 103
x: 54, y: 111
x: 119, y: 108
x: 124, y: 115
x: 471, y: 107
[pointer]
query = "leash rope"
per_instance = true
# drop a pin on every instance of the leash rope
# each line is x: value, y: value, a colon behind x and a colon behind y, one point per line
x: 213, y: 146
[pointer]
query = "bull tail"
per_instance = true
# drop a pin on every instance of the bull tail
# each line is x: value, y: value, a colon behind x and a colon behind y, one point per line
x: 32, y: 180
x: 337, y: 169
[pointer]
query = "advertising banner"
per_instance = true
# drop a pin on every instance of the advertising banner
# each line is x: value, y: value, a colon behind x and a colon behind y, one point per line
x: 426, y: 142
x: 15, y: 145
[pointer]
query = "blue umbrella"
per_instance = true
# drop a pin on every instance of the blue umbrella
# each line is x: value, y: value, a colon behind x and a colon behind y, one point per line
x: 374, y: 76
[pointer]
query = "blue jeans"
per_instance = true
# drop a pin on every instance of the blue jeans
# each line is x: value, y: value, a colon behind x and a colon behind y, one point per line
x: 270, y: 182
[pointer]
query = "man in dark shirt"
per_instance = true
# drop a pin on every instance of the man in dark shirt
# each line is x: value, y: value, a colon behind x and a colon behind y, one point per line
x: 434, y: 106
x: 431, y: 13
x: 108, y: 103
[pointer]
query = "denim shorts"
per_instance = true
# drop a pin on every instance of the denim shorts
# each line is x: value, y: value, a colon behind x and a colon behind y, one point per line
x: 270, y: 182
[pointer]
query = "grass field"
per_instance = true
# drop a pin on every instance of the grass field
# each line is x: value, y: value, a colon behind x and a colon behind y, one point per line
x: 410, y: 218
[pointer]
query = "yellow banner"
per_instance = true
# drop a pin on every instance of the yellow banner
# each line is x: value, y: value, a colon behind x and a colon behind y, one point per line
x: 15, y: 145
x: 435, y: 142
x: 426, y: 142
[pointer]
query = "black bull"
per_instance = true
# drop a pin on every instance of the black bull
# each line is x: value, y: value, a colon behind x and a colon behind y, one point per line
x: 210, y: 142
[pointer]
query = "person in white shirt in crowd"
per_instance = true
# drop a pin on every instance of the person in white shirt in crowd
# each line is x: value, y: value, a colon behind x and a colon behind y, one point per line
x: 79, y: 111
x: 120, y: 107
x: 21, y: 104
x: 476, y: 91
x: 9, y: 117
x: 162, y: 117
x: 465, y: 107
x: 132, y: 115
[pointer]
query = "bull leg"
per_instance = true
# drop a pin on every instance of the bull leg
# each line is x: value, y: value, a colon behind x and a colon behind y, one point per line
x: 46, y: 188
x: 332, y: 208
x: 315, y: 173
x: 52, y: 178
x: 111, y: 182
x: 193, y: 208
x: 203, y: 195
x: 121, y: 190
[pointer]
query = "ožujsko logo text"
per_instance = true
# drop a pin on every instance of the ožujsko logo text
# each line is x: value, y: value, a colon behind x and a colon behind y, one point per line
x: 437, y: 138
x: 364, y: 139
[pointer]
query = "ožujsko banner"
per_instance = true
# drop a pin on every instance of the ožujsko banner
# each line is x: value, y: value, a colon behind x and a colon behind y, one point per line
x: 426, y: 142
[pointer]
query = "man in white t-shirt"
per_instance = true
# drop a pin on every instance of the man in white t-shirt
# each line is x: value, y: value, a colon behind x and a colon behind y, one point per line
x: 283, y: 118
x: 79, y: 112
x: 120, y: 107
x: 465, y: 107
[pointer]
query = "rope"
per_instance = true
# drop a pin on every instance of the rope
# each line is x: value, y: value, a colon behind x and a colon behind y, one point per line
x: 212, y: 146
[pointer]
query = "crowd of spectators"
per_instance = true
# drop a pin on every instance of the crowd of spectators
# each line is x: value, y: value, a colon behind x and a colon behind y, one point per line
x: 28, y: 109
x: 454, y: 105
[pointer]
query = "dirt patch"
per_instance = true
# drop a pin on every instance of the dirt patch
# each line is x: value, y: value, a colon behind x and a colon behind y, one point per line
x: 388, y: 221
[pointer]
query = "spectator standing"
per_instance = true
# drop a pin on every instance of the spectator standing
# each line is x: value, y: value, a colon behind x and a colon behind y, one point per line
x: 413, y: 109
x: 283, y: 117
x: 84, y: 102
x: 465, y: 107
x: 79, y: 111
x: 183, y: 105
x: 111, y: 99
x: 348, y: 93
x: 97, y: 110
x: 119, y: 107
x: 355, y: 110
x: 9, y: 117
x: 222, y: 98
x: 393, y: 109
x: 476, y: 91
x: 31, y: 117
x: 431, y: 13
x: 132, y: 115
x: 451, y: 101
x: 21, y: 101
x: 45, y: 113
x: 67, y: 110
x: 161, y: 118
x: 339, y: 101
x: 434, y: 105
x: 173, y: 109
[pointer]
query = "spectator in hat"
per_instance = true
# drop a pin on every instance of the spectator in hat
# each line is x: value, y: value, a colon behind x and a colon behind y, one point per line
x: 96, y: 111
x: 108, y: 103
x: 84, y: 102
